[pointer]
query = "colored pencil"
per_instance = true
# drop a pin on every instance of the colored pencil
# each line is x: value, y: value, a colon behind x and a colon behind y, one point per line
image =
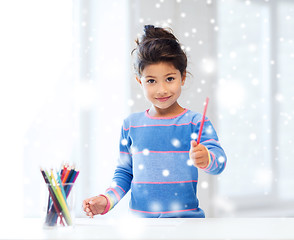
x: 72, y: 171
x: 54, y: 200
x: 60, y: 199
x: 73, y: 181
x: 59, y: 188
x: 66, y: 175
x: 202, y: 121
x: 60, y: 185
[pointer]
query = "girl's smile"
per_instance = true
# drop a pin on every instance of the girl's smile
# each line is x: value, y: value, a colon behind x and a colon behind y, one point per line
x: 163, y: 99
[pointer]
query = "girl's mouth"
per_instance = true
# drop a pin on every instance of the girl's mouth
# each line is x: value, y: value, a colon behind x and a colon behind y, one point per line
x: 162, y: 99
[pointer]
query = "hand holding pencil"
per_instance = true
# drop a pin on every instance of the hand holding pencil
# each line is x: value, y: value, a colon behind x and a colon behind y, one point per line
x: 198, y: 152
x: 199, y: 155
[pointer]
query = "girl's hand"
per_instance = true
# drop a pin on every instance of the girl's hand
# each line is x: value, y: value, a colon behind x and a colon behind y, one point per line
x: 94, y: 205
x: 199, y: 155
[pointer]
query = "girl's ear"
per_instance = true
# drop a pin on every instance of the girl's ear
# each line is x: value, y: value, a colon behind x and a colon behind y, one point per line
x: 138, y: 80
x: 184, y: 77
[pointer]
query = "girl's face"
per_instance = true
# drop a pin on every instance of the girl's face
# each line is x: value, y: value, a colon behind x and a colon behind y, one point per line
x: 161, y: 83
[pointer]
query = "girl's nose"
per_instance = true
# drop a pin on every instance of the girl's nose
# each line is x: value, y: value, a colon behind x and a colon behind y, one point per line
x: 162, y: 89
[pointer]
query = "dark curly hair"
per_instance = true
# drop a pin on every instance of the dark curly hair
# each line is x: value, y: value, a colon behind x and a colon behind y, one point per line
x: 158, y: 45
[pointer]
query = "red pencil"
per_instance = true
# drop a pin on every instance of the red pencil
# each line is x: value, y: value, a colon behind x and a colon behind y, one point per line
x: 202, y: 121
x: 63, y: 171
x: 66, y: 175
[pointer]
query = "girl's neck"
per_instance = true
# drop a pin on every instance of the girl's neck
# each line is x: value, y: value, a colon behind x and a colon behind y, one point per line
x: 172, y: 111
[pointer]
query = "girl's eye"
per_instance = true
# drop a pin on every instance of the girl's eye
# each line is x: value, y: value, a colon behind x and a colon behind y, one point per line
x: 151, y: 81
x: 169, y: 79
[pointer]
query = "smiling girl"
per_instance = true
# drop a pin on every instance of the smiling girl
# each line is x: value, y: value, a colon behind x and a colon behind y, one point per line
x: 159, y: 157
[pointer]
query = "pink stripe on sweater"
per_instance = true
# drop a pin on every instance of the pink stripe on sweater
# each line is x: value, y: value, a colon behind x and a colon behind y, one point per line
x: 163, y: 125
x: 147, y: 114
x: 163, y: 152
x: 125, y: 152
x: 115, y: 193
x: 121, y: 188
x: 159, y: 125
x: 210, y: 140
x: 213, y: 159
x: 185, y: 210
x: 165, y: 182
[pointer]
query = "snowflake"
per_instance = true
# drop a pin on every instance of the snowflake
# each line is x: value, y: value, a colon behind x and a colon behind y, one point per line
x: 134, y: 150
x: 208, y: 130
x: 146, y: 152
x: 189, y: 162
x: 264, y: 177
x: 233, y: 55
x: 155, y: 207
x: 175, y: 206
x: 279, y: 97
x: 165, y: 173
x: 204, y: 184
x: 176, y: 142
x: 113, y: 184
x: 124, y: 142
x: 208, y: 65
x: 221, y: 159
x: 252, y: 136
x: 194, y: 136
x: 141, y: 166
x: 131, y: 102
x: 252, y: 48
x: 255, y: 81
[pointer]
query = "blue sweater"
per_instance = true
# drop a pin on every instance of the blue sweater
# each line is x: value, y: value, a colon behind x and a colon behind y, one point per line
x: 154, y: 163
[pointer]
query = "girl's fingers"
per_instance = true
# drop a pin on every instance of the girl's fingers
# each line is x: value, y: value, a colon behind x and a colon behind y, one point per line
x: 95, y: 208
x: 193, y: 144
x: 84, y: 204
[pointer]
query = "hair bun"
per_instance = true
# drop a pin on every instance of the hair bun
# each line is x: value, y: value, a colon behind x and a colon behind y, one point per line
x: 148, y: 27
x: 152, y: 32
x: 149, y: 31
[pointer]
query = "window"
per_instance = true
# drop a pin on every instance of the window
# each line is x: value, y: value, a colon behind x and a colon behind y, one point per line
x: 36, y: 51
x: 255, y: 61
x: 63, y: 91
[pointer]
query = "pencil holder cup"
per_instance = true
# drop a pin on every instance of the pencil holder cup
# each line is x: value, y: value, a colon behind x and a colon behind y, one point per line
x: 59, y: 208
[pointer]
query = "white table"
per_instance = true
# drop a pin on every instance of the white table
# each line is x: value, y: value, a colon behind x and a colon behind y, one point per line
x: 134, y: 228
